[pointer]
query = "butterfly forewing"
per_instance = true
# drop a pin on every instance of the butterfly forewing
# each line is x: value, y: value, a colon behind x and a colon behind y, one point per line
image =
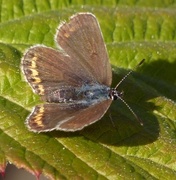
x: 66, y: 117
x: 81, y: 38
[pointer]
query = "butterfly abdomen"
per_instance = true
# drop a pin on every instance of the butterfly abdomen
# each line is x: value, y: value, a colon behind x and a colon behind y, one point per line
x: 86, y: 93
x: 61, y: 96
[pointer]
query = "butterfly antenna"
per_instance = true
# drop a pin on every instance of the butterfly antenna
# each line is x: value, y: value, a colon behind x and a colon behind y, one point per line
x: 128, y: 74
x: 137, y: 118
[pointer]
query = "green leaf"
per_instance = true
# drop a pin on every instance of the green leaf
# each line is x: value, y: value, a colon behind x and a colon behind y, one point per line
x: 116, y: 147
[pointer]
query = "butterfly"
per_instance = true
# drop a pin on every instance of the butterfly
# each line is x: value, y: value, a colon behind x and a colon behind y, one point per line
x: 74, y: 80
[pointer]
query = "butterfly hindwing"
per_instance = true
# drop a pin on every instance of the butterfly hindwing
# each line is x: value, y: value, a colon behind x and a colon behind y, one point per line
x: 46, y: 68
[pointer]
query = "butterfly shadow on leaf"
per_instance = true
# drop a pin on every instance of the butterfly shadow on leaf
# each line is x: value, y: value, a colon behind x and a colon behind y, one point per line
x: 118, y: 126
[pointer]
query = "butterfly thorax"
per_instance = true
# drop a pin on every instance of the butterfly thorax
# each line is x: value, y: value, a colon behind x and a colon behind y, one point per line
x: 88, y: 93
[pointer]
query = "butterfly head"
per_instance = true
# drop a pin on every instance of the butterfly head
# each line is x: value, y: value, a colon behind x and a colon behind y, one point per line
x: 114, y: 94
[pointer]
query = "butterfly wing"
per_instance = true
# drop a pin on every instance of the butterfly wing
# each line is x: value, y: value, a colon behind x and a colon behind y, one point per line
x: 46, y: 69
x: 65, y: 117
x: 82, y: 60
x: 82, y: 39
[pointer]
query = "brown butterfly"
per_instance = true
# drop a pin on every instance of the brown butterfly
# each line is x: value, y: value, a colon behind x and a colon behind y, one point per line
x: 73, y: 80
